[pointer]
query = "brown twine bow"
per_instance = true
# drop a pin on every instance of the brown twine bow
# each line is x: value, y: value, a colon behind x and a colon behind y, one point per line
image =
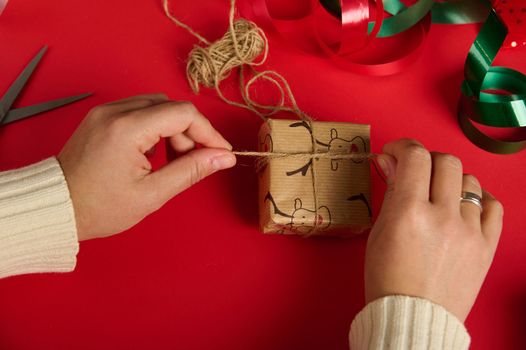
x: 240, y: 46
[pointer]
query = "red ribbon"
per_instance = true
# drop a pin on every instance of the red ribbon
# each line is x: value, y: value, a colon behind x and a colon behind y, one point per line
x: 347, y: 42
x: 354, y: 19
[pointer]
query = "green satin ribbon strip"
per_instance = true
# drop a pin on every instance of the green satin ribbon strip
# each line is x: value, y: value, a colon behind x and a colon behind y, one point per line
x: 402, y: 17
x: 460, y: 11
x: 492, y: 96
x: 484, y: 141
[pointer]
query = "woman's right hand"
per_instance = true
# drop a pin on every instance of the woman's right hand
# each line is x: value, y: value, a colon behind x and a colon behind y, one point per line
x: 105, y: 162
x: 426, y: 243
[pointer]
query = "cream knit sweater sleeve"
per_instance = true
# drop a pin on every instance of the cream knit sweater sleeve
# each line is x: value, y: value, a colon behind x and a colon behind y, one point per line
x: 37, y: 223
x: 403, y: 322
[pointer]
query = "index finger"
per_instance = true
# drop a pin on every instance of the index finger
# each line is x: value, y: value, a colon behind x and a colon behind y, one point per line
x: 412, y: 177
x: 173, y: 118
x: 134, y: 102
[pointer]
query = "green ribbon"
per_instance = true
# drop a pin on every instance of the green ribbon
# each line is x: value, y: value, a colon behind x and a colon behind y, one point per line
x: 491, y: 96
x: 450, y: 12
x: 404, y: 17
x: 460, y: 12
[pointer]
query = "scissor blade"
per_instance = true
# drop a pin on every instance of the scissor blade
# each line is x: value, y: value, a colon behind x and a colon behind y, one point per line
x: 12, y: 93
x: 29, y: 111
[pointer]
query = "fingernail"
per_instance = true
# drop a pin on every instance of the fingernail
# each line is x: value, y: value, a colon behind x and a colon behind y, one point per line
x: 384, y: 166
x: 224, y: 161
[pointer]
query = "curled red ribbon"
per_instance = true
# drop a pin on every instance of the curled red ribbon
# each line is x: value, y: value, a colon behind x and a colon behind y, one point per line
x: 346, y: 42
x: 354, y: 19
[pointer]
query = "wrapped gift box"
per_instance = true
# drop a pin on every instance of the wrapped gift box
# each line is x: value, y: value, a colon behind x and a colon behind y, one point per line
x: 314, y: 195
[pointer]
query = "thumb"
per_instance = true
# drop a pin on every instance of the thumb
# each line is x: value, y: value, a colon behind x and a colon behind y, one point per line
x: 388, y: 165
x: 187, y: 170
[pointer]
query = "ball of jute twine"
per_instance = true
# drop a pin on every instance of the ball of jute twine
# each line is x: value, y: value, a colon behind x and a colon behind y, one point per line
x: 212, y: 64
x: 243, y: 45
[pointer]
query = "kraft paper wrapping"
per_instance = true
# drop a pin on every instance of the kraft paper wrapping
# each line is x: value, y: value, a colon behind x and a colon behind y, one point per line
x: 342, y: 186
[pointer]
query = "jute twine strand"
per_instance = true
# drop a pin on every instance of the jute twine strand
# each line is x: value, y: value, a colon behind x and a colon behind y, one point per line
x: 241, y: 46
x: 316, y: 155
x: 264, y: 157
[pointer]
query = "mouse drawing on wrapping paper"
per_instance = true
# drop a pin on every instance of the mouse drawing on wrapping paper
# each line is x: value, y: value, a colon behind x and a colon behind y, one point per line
x: 340, y: 145
x: 302, y: 219
x: 336, y: 144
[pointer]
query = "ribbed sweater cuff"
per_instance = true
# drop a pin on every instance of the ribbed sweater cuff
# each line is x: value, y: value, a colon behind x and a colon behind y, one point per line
x: 403, y: 322
x: 37, y: 222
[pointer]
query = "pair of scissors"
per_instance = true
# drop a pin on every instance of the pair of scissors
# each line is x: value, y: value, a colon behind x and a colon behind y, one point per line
x: 8, y: 115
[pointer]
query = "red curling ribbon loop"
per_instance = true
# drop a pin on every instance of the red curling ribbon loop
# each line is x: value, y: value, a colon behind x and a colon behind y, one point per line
x: 379, y: 56
x: 345, y: 41
x: 354, y: 20
x: 371, y: 62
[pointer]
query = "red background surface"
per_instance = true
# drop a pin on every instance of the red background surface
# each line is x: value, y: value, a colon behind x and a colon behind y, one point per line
x: 198, y: 274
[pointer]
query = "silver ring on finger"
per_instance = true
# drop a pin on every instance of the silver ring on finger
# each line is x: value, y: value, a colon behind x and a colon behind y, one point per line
x: 473, y: 198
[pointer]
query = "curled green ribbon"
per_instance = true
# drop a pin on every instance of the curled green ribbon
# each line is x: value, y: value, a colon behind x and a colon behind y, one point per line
x: 403, y: 17
x: 460, y: 12
x: 491, y: 96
